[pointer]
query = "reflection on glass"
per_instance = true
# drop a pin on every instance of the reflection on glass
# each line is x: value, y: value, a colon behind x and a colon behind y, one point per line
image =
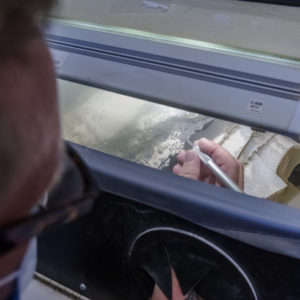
x: 263, y: 28
x: 153, y: 134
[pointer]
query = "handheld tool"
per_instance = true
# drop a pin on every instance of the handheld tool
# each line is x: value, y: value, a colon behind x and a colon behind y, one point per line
x: 216, y: 170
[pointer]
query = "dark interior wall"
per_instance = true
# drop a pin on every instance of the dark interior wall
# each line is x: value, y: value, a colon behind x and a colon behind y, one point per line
x: 95, y: 251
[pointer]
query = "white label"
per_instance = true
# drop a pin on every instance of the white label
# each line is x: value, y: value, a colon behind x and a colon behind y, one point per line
x: 59, y: 58
x: 255, y: 106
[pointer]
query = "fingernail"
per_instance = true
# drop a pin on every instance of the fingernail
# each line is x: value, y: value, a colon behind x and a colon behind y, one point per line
x: 204, y: 140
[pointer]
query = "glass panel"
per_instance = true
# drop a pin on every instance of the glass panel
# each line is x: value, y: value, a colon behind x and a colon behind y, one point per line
x: 152, y: 134
x: 258, y: 27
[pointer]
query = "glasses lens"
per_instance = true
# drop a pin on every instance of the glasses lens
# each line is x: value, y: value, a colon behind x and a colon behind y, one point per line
x: 70, y: 184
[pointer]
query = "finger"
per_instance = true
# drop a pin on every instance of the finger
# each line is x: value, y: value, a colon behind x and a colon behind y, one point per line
x: 223, y: 159
x: 176, y: 289
x: 219, y: 154
x: 177, y: 168
x: 181, y: 156
x: 191, y: 165
x: 208, y: 146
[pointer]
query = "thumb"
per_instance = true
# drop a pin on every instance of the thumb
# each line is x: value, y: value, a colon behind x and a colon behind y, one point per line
x: 191, y: 165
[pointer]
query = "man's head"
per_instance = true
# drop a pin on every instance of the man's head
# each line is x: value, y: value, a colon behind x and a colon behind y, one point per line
x: 29, y: 126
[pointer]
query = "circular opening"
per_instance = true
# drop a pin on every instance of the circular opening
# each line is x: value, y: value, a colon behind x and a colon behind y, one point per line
x: 202, y: 267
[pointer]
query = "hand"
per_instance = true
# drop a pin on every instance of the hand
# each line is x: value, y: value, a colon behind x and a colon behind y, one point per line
x: 190, y: 166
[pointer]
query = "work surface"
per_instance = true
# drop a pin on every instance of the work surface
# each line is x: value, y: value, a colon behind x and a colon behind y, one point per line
x: 152, y: 135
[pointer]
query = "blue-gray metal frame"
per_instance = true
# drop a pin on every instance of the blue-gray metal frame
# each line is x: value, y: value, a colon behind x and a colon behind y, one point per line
x: 255, y: 221
x: 209, y: 81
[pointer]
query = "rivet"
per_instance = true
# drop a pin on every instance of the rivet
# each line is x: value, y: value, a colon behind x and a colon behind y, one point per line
x: 82, y: 287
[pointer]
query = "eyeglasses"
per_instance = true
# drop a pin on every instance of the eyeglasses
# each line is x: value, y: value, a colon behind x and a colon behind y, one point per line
x: 73, y: 197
